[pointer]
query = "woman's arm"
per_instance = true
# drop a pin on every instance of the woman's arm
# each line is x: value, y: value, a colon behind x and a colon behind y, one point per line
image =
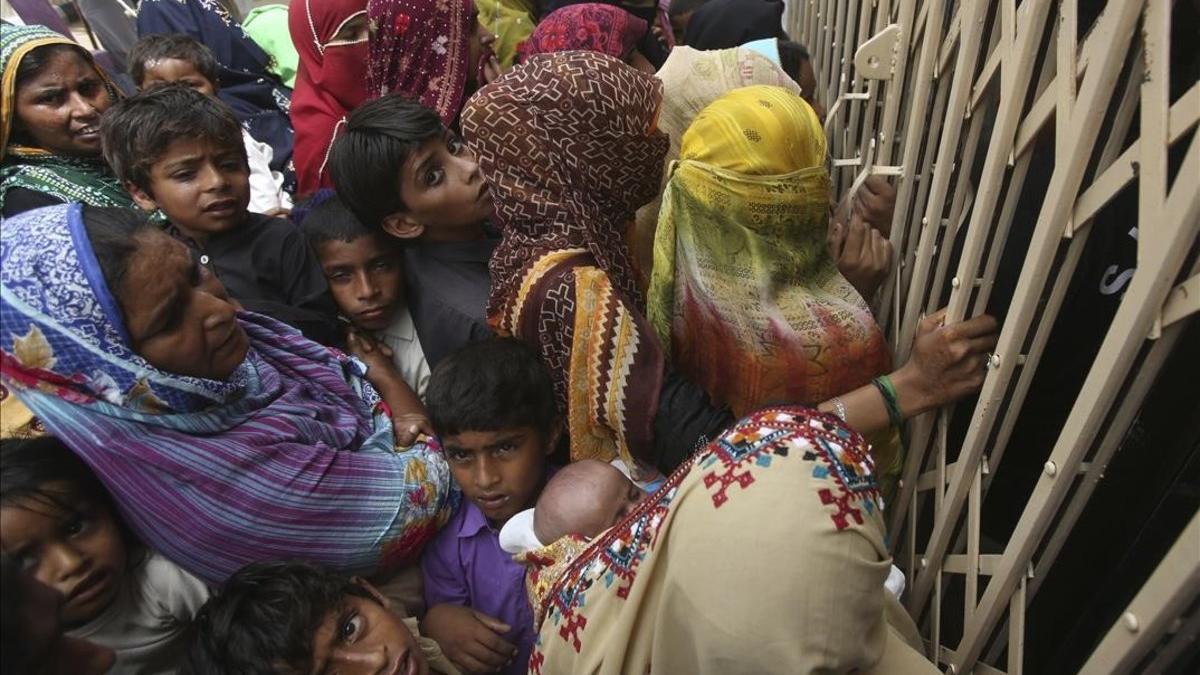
x: 947, y: 363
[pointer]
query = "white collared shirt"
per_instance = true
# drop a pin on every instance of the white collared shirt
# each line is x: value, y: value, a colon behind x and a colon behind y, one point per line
x: 401, y: 337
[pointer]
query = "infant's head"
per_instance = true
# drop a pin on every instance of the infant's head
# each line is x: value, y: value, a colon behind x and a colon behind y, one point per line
x: 586, y: 497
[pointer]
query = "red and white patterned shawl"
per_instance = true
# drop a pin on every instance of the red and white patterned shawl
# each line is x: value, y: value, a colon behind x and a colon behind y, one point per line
x: 421, y: 48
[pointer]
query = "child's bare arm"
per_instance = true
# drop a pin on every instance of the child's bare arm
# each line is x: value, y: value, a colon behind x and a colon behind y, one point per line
x: 409, y: 416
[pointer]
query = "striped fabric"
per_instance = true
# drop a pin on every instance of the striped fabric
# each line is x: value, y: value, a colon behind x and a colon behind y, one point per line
x: 283, y: 460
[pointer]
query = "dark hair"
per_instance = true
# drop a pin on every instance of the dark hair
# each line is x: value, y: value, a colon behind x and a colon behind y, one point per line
x: 493, y: 384
x: 137, y: 131
x: 113, y: 233
x: 31, y: 65
x: 684, y: 6
x: 38, y: 58
x: 365, y: 161
x: 792, y: 56
x: 330, y: 220
x: 28, y: 464
x: 264, y: 617
x: 173, y: 46
x: 14, y: 647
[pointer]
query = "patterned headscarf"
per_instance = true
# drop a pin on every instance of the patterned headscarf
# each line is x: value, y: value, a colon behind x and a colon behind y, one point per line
x: 692, y: 80
x: 283, y: 459
x: 743, y: 291
x: 569, y: 146
x: 591, y: 26
x: 78, y: 179
x: 421, y: 48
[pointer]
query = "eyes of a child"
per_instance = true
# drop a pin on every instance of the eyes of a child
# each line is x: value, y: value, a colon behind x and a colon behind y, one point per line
x: 350, y: 627
x: 436, y: 174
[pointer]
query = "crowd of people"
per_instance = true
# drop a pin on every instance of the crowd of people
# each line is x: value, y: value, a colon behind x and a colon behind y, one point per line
x: 447, y: 337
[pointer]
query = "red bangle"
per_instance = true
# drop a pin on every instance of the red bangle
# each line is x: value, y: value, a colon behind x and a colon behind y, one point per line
x: 383, y: 406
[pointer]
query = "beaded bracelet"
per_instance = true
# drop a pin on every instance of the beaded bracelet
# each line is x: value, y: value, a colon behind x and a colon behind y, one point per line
x: 888, y: 391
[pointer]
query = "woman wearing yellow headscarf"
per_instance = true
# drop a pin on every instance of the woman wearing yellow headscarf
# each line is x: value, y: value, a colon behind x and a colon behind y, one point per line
x: 744, y: 292
x: 691, y: 80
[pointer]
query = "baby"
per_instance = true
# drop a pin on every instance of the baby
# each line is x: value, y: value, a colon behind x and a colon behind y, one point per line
x: 587, y: 498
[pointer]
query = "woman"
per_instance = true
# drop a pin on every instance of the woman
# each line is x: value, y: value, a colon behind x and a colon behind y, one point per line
x: 691, y: 80
x: 568, y: 146
x: 53, y: 96
x: 331, y: 38
x: 656, y: 44
x: 592, y: 26
x: 225, y: 438
x: 764, y: 553
x: 744, y: 291
x: 435, y: 51
x: 248, y: 84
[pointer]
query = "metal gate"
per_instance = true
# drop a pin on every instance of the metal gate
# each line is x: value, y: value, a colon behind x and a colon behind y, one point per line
x: 960, y: 101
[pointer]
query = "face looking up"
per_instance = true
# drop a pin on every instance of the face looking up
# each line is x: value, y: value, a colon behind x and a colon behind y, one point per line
x: 500, y: 471
x: 365, y: 278
x: 364, y: 637
x: 202, y: 186
x: 163, y: 71
x: 444, y: 192
x: 177, y: 313
x: 67, y: 542
x: 59, y: 108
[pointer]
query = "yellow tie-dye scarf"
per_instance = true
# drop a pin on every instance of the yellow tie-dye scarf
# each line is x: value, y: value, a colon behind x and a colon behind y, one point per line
x: 743, y: 290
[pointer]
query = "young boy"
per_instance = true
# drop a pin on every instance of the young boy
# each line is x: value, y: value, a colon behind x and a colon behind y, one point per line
x: 180, y: 152
x: 291, y: 617
x: 366, y: 277
x: 401, y: 171
x: 492, y: 405
x: 174, y: 57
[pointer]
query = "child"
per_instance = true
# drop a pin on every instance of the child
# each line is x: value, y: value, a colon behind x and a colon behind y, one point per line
x: 299, y: 618
x: 400, y: 170
x: 492, y: 405
x: 586, y: 498
x: 32, y: 639
x: 59, y: 523
x: 180, y: 152
x: 174, y: 57
x: 366, y: 278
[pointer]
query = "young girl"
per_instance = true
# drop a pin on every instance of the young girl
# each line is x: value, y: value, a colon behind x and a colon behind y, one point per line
x: 59, y: 523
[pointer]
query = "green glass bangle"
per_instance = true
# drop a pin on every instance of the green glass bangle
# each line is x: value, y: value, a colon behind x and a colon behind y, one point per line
x: 888, y: 391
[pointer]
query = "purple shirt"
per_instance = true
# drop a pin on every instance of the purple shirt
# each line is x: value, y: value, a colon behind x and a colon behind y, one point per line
x: 464, y: 565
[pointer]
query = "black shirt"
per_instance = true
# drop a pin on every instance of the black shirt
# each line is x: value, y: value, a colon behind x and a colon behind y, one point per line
x: 267, y: 266
x: 448, y: 287
x: 19, y: 200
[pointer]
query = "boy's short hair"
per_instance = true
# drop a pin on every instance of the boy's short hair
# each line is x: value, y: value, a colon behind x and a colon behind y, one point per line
x: 366, y: 160
x: 137, y: 131
x: 493, y: 384
x: 326, y: 219
x: 264, y: 617
x: 172, y: 46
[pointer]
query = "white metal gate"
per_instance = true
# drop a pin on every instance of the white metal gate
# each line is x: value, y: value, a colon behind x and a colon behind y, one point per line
x: 952, y: 98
